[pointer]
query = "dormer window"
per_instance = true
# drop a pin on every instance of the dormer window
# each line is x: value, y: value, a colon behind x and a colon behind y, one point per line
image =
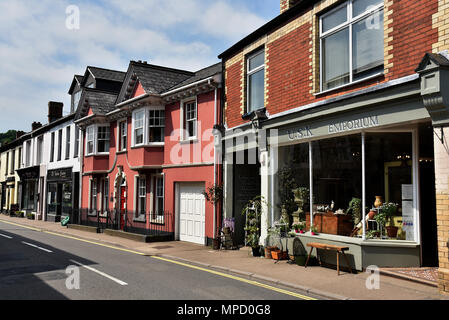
x: 76, y: 99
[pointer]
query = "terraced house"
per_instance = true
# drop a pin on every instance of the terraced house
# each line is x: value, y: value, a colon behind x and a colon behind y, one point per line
x: 349, y: 98
x: 149, y: 152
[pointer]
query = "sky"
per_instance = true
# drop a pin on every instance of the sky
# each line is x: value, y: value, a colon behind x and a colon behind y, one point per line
x: 41, y: 48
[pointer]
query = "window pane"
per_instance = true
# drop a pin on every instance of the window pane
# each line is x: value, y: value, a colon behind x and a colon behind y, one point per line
x: 335, y: 19
x: 368, y: 46
x: 360, y: 6
x: 256, y: 90
x: 337, y: 179
x: 257, y: 61
x: 139, y: 136
x: 336, y: 59
x: 388, y: 170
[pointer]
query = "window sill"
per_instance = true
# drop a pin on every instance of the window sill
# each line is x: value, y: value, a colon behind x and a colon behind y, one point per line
x: 157, y: 221
x: 97, y: 154
x: 189, y: 141
x: 149, y: 145
x: 349, y: 84
x: 140, y: 219
x: 121, y: 152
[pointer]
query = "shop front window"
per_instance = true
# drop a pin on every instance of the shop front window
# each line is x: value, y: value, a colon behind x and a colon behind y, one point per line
x: 67, y: 198
x: 52, y: 202
x: 374, y: 169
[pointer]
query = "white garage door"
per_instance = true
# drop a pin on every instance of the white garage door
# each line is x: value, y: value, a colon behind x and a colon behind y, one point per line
x: 192, y: 222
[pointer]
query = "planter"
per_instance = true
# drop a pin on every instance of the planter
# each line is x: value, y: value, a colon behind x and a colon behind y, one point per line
x: 279, y: 255
x: 268, y: 251
x: 371, y: 215
x: 216, y: 244
x: 256, y: 252
x: 392, y: 232
x: 313, y: 233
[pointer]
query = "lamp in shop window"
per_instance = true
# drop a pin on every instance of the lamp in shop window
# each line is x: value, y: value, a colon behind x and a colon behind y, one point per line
x: 404, y: 158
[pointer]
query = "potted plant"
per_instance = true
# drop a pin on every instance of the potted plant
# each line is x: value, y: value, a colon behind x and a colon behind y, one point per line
x: 355, y: 209
x: 20, y: 214
x: 214, y: 194
x: 30, y: 216
x: 313, y: 231
x: 253, y: 212
x: 287, y: 183
x: 389, y: 209
x: 300, y: 227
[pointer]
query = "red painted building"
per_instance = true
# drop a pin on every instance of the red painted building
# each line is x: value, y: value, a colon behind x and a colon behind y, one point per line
x: 160, y: 155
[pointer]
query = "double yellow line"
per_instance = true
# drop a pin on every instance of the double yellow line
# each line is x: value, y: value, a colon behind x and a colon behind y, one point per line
x: 225, y: 275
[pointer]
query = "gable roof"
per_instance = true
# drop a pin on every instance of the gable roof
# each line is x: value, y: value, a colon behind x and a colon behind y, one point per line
x: 200, y: 75
x: 438, y: 59
x: 77, y: 79
x: 101, y: 102
x: 154, y: 79
x: 103, y: 74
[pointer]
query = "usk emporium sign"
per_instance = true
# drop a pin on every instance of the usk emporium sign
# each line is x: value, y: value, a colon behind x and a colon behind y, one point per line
x: 334, y: 127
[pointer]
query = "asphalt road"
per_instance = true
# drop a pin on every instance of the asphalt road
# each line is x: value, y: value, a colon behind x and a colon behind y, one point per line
x: 33, y: 266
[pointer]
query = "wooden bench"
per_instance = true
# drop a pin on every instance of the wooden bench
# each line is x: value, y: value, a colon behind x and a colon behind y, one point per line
x: 329, y: 247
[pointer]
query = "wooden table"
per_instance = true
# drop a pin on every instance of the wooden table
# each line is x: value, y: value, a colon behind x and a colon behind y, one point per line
x: 329, y: 247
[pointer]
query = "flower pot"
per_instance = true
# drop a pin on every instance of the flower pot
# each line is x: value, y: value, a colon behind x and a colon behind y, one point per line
x: 268, y: 252
x: 256, y: 252
x: 313, y: 233
x: 216, y: 244
x: 279, y: 255
x: 378, y: 202
x: 371, y: 215
x: 392, y: 232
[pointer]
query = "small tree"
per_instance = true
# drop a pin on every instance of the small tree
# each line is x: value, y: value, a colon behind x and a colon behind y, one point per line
x: 287, y: 184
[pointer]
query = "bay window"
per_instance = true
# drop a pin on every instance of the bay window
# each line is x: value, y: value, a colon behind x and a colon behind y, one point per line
x: 97, y: 139
x: 103, y: 139
x: 148, y: 127
x: 352, y: 43
x: 156, y: 125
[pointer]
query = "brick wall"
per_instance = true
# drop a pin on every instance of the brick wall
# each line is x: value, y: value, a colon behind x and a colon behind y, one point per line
x: 442, y: 198
x: 411, y: 29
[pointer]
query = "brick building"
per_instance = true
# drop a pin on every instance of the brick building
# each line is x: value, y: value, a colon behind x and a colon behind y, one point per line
x: 346, y: 97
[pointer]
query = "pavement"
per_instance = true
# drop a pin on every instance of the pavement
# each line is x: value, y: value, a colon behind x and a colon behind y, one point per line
x: 312, y: 280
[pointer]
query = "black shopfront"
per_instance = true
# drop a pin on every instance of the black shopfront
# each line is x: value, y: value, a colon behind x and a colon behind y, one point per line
x: 28, y: 189
x: 60, y: 194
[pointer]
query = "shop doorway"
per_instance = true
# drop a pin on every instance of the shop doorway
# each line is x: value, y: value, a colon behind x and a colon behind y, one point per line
x: 246, y: 182
x: 429, y: 240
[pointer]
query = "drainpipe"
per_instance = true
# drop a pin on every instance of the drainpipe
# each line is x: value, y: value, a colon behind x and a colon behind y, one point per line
x: 215, y: 164
x: 81, y: 158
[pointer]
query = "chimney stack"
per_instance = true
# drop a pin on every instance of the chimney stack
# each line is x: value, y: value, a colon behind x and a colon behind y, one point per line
x: 287, y: 4
x: 35, y: 125
x: 54, y: 111
x: 19, y: 134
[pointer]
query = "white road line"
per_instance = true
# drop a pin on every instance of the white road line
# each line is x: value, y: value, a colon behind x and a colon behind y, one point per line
x: 37, y: 247
x: 3, y: 235
x: 100, y: 273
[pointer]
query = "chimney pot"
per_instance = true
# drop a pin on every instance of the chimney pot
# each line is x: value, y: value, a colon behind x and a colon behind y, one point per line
x: 287, y: 4
x: 35, y: 125
x: 54, y: 111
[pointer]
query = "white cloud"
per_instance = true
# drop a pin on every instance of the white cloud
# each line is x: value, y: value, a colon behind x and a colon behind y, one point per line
x: 39, y: 55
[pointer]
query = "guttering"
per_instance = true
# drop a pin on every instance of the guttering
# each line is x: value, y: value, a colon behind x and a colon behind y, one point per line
x: 208, y: 80
x: 85, y: 118
x: 146, y: 95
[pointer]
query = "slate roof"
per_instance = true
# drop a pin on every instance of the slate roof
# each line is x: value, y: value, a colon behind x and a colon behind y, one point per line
x: 107, y: 74
x: 437, y: 58
x: 200, y: 75
x: 157, y: 79
x: 77, y: 78
x: 101, y: 102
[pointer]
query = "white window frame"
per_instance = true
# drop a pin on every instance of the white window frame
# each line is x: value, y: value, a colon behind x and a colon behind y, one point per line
x: 250, y: 73
x: 348, y: 24
x: 95, y: 139
x: 68, y: 132
x: 139, y: 196
x: 120, y: 136
x: 77, y: 143
x: 93, y: 197
x: 155, y: 143
x: 104, y: 197
x: 146, y: 121
x: 183, y: 117
x: 134, y: 128
x: 90, y: 140
x: 155, y: 217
